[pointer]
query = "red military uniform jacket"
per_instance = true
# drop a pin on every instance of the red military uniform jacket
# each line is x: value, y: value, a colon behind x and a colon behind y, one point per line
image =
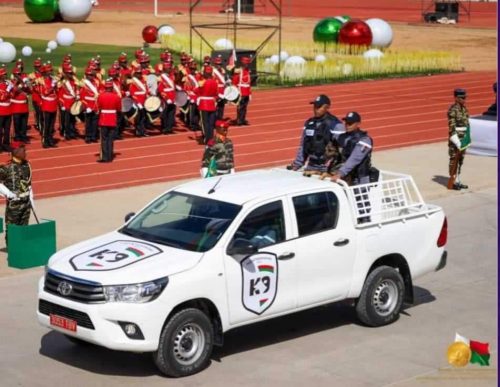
x: 220, y: 78
x: 118, y: 88
x: 242, y: 81
x: 5, y: 109
x: 49, y: 95
x: 138, y: 89
x: 166, y: 88
x: 19, y: 99
x: 109, y: 104
x: 89, y: 93
x: 207, y: 95
x: 190, y: 86
x: 67, y: 93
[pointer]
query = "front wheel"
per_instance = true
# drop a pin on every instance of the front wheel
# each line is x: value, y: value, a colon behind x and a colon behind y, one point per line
x: 381, y: 298
x: 186, y: 344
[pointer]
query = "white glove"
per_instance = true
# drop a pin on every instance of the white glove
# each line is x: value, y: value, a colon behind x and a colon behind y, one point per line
x: 77, y: 98
x: 169, y: 101
x: 10, y: 86
x: 88, y: 110
x: 160, y: 109
x: 63, y: 109
x: 456, y: 141
x: 203, y: 172
x: 7, y: 192
x: 127, y: 94
x: 54, y: 83
x: 139, y: 105
x: 232, y: 171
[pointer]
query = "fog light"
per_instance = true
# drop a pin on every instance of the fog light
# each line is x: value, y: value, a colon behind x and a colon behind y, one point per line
x: 131, y: 330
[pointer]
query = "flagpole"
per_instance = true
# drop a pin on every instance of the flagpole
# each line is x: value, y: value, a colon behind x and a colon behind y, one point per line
x: 239, y: 9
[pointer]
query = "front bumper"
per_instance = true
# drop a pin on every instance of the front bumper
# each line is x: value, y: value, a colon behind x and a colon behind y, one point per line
x: 99, y: 323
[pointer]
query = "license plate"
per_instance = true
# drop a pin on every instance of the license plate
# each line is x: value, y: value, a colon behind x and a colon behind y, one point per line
x: 63, y: 322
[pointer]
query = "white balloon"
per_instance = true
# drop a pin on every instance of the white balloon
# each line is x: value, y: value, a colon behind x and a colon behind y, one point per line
x: 295, y: 60
x: 52, y: 44
x: 267, y: 61
x: 48, y: 50
x: 75, y: 11
x: 65, y: 37
x: 381, y: 32
x: 274, y: 59
x: 7, y: 52
x: 27, y: 51
x: 294, y: 67
x: 166, y: 30
x: 346, y: 68
x: 320, y: 58
x: 373, y: 53
x: 284, y: 55
x: 223, y: 44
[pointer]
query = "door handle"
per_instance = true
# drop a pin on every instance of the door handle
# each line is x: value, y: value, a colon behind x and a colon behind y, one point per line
x: 341, y: 242
x: 286, y: 256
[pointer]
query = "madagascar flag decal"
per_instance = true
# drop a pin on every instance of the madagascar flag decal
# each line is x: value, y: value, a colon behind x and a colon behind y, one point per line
x: 263, y: 301
x: 136, y: 252
x: 267, y: 268
x: 480, y: 352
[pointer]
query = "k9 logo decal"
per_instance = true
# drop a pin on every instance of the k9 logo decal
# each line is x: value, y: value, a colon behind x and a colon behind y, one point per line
x: 260, y: 282
x: 113, y: 255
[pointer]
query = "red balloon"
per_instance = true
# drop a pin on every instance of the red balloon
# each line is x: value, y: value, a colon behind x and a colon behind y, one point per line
x: 150, y: 34
x: 355, y: 32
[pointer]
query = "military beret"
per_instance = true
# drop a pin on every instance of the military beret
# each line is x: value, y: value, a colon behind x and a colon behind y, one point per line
x: 16, y: 145
x: 459, y: 93
x: 222, y: 124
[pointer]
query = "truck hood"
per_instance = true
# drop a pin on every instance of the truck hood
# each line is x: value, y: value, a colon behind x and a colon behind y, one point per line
x: 115, y: 258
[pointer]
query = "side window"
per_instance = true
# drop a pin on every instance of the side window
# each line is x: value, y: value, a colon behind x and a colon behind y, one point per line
x: 264, y: 226
x: 316, y: 212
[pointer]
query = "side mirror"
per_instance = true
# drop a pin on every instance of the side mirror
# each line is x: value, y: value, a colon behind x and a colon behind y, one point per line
x: 129, y: 216
x: 241, y: 246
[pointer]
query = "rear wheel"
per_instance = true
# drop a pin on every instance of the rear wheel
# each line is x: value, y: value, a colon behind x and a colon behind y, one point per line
x: 186, y: 344
x: 381, y: 298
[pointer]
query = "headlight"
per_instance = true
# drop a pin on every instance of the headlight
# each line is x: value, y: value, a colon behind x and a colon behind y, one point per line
x: 137, y: 293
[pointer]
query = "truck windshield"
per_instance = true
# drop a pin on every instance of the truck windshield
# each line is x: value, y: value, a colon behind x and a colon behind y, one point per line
x: 183, y: 221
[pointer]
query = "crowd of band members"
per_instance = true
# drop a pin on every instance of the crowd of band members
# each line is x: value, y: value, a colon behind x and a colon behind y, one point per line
x: 54, y: 90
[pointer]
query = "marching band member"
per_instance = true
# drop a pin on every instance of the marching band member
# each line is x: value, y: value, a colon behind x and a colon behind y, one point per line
x: 68, y: 94
x: 138, y: 54
x: 146, y: 68
x: 100, y: 73
x: 166, y: 91
x: 242, y: 80
x: 6, y: 88
x: 88, y: 95
x: 125, y: 72
x: 19, y: 104
x: 220, y: 77
x: 138, y: 90
x: 207, y: 97
x: 49, y: 105
x: 190, y: 86
x: 114, y: 74
x: 109, y: 105
x: 36, y: 98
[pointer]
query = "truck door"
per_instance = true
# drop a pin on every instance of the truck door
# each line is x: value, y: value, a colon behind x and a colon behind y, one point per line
x: 325, y: 247
x: 259, y: 265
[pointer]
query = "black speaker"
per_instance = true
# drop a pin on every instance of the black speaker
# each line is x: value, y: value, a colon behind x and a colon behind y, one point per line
x: 247, y: 6
x: 448, y: 9
x: 240, y: 53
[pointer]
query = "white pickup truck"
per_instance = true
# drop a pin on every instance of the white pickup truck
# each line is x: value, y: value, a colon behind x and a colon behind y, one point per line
x: 218, y: 253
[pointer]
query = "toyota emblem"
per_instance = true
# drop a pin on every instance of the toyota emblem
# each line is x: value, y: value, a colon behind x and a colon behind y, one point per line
x: 64, y: 288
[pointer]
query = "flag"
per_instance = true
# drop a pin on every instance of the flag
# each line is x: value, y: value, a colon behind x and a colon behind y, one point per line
x: 232, y: 59
x: 466, y: 140
x: 212, y: 168
x: 480, y: 352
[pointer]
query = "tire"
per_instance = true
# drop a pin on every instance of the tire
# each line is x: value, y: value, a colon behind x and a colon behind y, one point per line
x: 381, y: 298
x: 186, y: 343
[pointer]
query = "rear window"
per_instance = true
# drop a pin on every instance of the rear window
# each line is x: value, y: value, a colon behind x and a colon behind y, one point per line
x: 316, y: 212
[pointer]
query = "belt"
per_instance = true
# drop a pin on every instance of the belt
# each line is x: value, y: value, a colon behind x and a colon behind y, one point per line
x: 49, y: 98
x: 139, y: 93
x: 68, y: 96
x: 108, y: 111
x: 90, y: 98
x: 243, y: 85
x: 20, y: 101
x: 460, y: 128
x: 5, y: 104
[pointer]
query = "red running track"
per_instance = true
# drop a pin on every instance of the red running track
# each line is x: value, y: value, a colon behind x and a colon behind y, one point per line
x: 396, y: 113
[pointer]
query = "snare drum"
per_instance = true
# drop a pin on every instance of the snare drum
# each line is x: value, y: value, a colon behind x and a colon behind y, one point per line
x: 231, y: 94
x: 181, y: 98
x: 77, y: 108
x: 128, y: 108
x: 152, y: 106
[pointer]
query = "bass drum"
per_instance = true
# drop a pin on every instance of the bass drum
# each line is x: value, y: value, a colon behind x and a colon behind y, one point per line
x: 128, y: 108
x: 153, y: 107
x: 232, y: 94
x: 181, y: 98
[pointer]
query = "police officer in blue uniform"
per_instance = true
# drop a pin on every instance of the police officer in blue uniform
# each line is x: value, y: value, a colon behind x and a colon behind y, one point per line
x: 317, y: 134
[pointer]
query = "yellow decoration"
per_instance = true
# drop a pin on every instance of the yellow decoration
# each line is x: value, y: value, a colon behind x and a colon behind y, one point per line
x: 459, y: 354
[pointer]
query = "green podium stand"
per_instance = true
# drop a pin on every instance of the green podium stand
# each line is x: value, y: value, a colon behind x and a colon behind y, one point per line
x: 30, y: 246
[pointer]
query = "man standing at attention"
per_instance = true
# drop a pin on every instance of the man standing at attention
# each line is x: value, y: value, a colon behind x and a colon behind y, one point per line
x: 458, y: 124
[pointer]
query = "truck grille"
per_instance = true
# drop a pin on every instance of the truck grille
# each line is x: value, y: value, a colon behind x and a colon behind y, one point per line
x: 82, y: 319
x: 80, y: 290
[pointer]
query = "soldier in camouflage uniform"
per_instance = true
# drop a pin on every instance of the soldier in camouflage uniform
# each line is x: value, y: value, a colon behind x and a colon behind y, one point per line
x: 15, y: 185
x: 220, y: 149
x: 458, y: 121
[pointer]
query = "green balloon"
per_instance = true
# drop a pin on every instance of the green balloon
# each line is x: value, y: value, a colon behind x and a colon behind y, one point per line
x: 41, y: 11
x: 327, y: 30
